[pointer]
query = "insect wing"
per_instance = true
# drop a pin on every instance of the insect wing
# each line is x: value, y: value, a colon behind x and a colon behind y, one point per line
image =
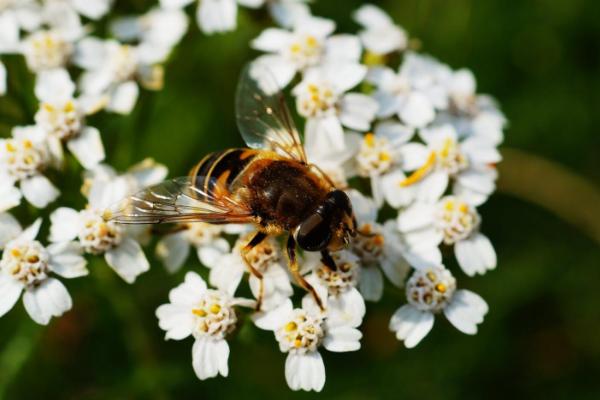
x: 179, y: 200
x: 263, y: 117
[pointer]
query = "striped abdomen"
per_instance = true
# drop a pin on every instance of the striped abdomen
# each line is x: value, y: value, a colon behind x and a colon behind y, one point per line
x: 220, y: 169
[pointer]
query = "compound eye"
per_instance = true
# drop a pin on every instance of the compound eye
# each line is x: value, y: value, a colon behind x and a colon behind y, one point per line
x: 314, y: 233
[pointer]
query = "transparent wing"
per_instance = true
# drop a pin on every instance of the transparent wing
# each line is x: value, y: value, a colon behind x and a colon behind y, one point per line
x: 263, y: 117
x: 179, y: 200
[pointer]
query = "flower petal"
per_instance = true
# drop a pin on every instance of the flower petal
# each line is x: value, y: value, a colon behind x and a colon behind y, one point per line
x: 66, y: 259
x: 127, y: 260
x: 87, y: 147
x: 209, y: 357
x: 411, y: 325
x: 39, y: 191
x: 342, y: 339
x: 465, y: 311
x: 173, y: 250
x: 215, y: 16
x: 123, y: 98
x: 9, y: 228
x: 47, y: 300
x: 188, y: 292
x: 176, y: 319
x: 371, y: 283
x: 10, y: 291
x: 475, y: 254
x: 357, y: 111
x: 65, y: 224
x: 305, y: 371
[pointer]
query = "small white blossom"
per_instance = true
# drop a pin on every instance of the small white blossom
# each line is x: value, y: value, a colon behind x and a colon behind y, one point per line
x: 414, y: 93
x: 46, y: 50
x: 469, y: 164
x: 206, y: 314
x: 22, y: 160
x: 322, y: 99
x: 62, y: 117
x: 113, y: 69
x: 300, y: 332
x: 157, y: 31
x: 308, y: 44
x: 27, y: 265
x: 214, y: 16
x: 118, y: 243
x: 380, y: 36
x: 433, y: 290
x: 378, y: 247
x: 451, y: 221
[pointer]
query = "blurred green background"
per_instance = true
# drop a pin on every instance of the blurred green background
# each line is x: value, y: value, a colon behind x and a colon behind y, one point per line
x: 539, y: 58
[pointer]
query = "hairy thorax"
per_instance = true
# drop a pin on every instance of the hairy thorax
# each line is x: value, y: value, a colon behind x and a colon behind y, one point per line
x: 283, y: 193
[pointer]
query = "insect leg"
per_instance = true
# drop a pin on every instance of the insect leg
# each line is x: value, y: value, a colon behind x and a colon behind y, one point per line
x: 255, y: 241
x: 295, y: 270
x: 328, y: 260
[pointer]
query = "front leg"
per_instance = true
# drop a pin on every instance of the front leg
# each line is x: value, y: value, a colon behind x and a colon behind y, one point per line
x: 327, y: 260
x: 295, y: 270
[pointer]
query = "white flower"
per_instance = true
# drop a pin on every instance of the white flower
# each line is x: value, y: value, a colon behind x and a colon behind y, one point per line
x: 174, y: 248
x: 452, y: 221
x: 46, y: 49
x: 22, y: 159
x: 383, y: 152
x: 15, y: 16
x: 214, y: 16
x: 378, y: 247
x: 119, y: 244
x: 206, y: 314
x: 469, y: 163
x: 380, y: 36
x: 300, y: 332
x: 158, y: 30
x: 337, y: 288
x: 430, y: 291
x: 321, y: 98
x: 227, y: 271
x: 414, y: 93
x: 286, y: 13
x: 27, y: 265
x: 62, y: 117
x: 112, y: 68
x: 309, y: 44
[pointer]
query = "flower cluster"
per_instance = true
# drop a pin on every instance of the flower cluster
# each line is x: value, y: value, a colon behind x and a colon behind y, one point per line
x: 407, y: 137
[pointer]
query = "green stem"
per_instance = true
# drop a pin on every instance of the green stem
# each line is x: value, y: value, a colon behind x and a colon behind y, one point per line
x: 553, y: 187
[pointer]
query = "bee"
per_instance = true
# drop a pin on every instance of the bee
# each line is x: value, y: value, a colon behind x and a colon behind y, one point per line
x: 270, y: 184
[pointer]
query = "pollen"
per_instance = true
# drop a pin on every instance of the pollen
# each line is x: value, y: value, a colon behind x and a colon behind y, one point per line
x: 421, y: 172
x: 311, y: 41
x: 199, y: 312
x: 370, y: 139
x: 440, y: 287
x: 10, y: 147
x: 15, y: 253
x: 295, y: 48
x: 378, y: 240
x: 215, y: 308
x: 384, y: 156
x: 291, y: 326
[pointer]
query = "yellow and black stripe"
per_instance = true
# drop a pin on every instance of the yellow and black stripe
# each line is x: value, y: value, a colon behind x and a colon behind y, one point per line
x: 218, y: 170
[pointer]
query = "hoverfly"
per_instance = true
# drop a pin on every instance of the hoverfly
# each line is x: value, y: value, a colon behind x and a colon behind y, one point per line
x: 270, y: 184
